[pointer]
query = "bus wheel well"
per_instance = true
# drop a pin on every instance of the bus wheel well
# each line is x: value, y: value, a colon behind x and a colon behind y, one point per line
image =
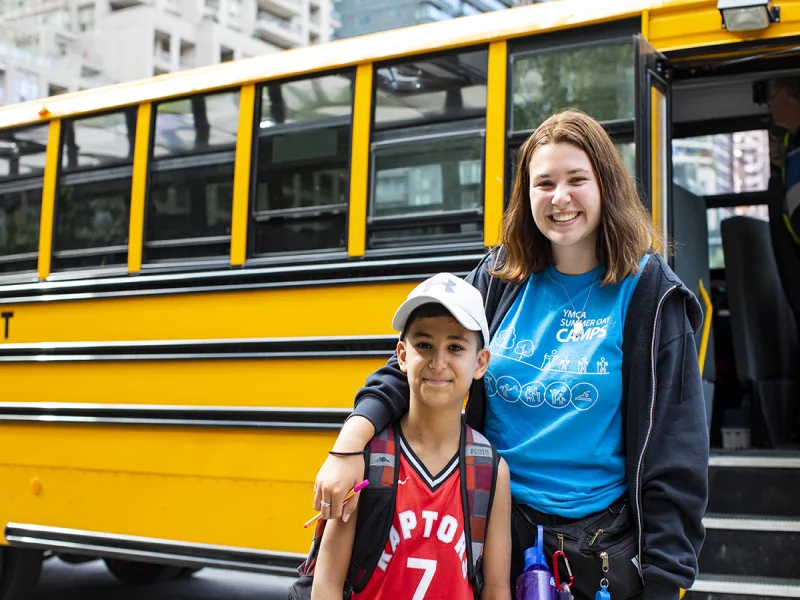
x: 19, y: 572
x: 141, y: 573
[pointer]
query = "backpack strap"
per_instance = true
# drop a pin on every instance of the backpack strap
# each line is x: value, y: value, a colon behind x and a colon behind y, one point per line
x: 381, y: 459
x: 380, y: 467
x: 478, y: 463
x: 376, y: 507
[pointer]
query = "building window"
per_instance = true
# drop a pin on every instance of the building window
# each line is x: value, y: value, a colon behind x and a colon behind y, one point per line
x: 162, y: 46
x: 86, y: 18
x: 427, y: 151
x: 225, y: 54
x: 25, y: 86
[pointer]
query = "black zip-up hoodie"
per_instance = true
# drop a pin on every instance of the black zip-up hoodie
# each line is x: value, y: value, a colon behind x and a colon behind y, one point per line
x: 664, y: 418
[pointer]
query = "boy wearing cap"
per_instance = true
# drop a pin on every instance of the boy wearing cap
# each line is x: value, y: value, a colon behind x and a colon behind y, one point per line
x: 442, y: 348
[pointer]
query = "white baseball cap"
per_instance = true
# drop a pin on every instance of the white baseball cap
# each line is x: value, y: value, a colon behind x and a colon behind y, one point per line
x: 463, y: 301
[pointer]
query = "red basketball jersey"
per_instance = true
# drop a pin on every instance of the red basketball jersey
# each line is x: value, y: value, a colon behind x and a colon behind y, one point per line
x: 426, y: 554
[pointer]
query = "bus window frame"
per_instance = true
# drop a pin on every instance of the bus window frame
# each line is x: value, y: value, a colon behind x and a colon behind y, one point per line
x: 19, y: 183
x: 467, y: 130
x: 117, y: 169
x: 195, y: 158
x: 407, y: 133
x: 255, y: 216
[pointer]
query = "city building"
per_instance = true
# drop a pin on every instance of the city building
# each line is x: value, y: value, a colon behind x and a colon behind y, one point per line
x: 55, y: 46
x: 360, y: 17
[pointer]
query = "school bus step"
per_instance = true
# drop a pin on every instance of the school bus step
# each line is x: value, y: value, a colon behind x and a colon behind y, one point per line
x: 724, y: 587
x: 758, y: 483
x: 751, y: 546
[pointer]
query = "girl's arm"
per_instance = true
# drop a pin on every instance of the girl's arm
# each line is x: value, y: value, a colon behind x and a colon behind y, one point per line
x: 333, y: 560
x: 382, y: 400
x: 497, y: 552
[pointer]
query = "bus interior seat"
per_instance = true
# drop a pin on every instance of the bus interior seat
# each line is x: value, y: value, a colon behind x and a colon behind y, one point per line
x: 763, y: 328
x: 787, y: 253
x: 690, y: 262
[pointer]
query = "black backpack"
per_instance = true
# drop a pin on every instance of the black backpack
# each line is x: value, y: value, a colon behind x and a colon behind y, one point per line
x: 478, y: 462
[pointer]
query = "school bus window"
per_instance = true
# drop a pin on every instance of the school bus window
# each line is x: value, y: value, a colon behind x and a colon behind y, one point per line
x: 446, y: 88
x: 196, y: 124
x: 189, y: 207
x: 716, y: 255
x: 98, y: 141
x: 22, y: 161
x: 598, y: 79
x: 727, y: 163
x: 627, y: 152
x: 427, y: 151
x: 303, y: 155
x: 94, y: 191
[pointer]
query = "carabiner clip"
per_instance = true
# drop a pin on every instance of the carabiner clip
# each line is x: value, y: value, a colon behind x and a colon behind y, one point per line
x: 558, y: 554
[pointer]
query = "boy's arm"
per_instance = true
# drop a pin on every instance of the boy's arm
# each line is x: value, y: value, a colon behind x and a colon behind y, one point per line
x: 333, y: 560
x: 497, y: 553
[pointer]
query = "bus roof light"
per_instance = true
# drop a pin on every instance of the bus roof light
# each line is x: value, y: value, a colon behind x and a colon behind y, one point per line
x: 747, y: 15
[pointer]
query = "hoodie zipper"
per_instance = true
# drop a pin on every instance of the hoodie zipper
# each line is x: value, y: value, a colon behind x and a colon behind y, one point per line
x: 649, y: 424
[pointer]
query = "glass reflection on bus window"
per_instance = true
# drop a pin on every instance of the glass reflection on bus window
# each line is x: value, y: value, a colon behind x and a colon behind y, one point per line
x: 597, y: 79
x: 441, y: 88
x: 22, y: 161
x: 728, y: 163
x: 303, y: 157
x: 198, y: 124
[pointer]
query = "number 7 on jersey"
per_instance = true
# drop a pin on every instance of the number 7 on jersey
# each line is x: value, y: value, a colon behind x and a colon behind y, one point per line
x: 429, y: 566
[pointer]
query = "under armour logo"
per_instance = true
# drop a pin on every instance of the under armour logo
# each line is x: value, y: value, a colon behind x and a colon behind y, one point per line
x: 449, y: 285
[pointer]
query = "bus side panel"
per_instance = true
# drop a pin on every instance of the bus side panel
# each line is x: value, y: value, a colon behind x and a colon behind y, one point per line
x: 293, y: 312
x: 330, y: 383
x: 249, y: 489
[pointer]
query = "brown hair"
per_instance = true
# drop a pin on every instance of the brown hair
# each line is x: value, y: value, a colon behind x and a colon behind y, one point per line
x: 626, y: 231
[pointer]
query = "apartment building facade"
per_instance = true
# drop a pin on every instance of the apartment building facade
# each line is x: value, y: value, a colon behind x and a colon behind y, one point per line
x: 56, y: 46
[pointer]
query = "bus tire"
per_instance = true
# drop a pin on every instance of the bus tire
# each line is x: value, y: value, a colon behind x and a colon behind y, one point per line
x: 140, y: 573
x: 19, y: 572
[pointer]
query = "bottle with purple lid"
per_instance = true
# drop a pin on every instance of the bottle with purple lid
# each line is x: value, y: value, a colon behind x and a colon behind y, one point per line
x: 536, y: 582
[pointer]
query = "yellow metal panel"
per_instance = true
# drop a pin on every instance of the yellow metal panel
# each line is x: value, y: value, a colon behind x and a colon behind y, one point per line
x: 646, y: 25
x: 706, y: 326
x: 241, y: 177
x: 298, y: 312
x: 141, y: 155
x: 46, y: 223
x: 217, y: 486
x: 433, y: 37
x: 359, y: 162
x: 657, y: 150
x: 495, y: 152
x: 696, y: 24
x: 326, y: 383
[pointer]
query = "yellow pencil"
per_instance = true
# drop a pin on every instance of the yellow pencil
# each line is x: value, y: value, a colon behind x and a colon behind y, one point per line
x: 350, y: 494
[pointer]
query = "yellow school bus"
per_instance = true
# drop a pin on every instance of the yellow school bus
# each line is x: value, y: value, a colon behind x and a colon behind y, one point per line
x: 198, y: 270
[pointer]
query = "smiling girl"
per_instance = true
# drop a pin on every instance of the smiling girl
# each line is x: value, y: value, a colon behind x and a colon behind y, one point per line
x: 593, y: 393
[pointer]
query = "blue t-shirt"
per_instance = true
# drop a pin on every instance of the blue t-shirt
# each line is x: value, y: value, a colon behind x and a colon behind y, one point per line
x: 554, y: 395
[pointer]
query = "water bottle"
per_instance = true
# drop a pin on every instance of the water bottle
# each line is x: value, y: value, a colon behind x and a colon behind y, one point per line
x: 535, y: 583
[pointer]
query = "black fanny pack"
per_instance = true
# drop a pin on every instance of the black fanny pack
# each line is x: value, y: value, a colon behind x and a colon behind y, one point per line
x: 603, y: 545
